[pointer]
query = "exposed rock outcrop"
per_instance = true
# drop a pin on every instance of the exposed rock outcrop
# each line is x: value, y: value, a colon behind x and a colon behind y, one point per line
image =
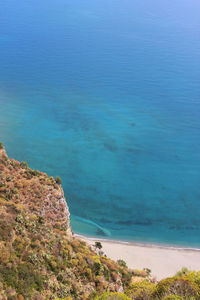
x: 36, y: 190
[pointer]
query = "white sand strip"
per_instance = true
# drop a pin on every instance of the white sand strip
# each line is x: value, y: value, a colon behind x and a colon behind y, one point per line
x: 163, y: 262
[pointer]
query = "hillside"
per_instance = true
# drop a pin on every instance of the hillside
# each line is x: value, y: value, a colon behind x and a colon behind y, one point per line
x: 41, y: 259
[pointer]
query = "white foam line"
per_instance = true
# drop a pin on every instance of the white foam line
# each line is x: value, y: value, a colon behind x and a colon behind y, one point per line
x: 138, y: 244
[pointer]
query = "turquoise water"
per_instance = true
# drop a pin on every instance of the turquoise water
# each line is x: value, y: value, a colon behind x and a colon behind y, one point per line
x: 106, y: 95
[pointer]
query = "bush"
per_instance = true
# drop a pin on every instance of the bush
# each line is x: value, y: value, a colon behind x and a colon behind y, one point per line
x: 24, y: 164
x: 175, y: 297
x: 141, y: 290
x: 9, y: 276
x: 147, y: 270
x: 184, y: 271
x: 112, y: 296
x: 1, y: 145
x: 58, y: 180
x: 122, y: 263
x: 23, y: 278
x: 180, y: 286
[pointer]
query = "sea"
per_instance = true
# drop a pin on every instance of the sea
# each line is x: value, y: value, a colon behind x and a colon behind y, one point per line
x: 106, y: 95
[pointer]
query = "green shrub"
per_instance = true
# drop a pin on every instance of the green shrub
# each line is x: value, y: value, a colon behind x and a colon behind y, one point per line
x: 175, y: 297
x: 41, y: 220
x: 97, y: 267
x: 1, y: 145
x: 58, y: 180
x: 31, y: 173
x: 112, y: 296
x: 23, y: 278
x: 28, y: 279
x: 9, y: 276
x: 184, y: 271
x: 180, y: 286
x: 122, y: 263
x: 147, y: 270
x: 142, y: 290
x: 24, y: 164
x: 194, y: 277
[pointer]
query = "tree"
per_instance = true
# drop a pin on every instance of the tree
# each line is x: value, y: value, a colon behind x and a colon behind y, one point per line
x: 98, y: 245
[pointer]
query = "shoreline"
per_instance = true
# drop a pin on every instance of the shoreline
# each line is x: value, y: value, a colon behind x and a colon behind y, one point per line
x: 163, y: 261
x: 139, y: 244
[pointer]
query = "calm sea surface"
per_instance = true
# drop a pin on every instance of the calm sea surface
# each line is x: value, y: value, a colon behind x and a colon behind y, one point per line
x: 106, y: 94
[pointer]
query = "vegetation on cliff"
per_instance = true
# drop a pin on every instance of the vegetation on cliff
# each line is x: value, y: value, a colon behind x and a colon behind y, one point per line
x: 41, y: 259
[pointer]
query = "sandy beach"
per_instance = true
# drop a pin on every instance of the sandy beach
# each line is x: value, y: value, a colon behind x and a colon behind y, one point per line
x: 163, y: 262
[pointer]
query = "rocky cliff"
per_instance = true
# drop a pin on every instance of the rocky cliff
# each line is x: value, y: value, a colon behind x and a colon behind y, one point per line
x: 39, y: 193
x: 39, y: 256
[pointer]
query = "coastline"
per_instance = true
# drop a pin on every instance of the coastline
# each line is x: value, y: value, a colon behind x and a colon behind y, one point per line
x: 139, y: 244
x: 163, y: 260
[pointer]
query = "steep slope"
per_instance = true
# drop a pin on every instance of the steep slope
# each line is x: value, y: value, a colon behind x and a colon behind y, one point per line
x: 39, y: 193
x: 39, y: 257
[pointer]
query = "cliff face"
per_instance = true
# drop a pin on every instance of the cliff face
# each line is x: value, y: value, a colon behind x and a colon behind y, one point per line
x: 39, y: 193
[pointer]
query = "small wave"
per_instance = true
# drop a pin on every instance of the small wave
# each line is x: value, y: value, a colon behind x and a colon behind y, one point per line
x: 103, y: 230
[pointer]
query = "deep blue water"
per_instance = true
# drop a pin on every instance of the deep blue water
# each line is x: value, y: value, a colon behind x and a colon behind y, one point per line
x: 106, y: 95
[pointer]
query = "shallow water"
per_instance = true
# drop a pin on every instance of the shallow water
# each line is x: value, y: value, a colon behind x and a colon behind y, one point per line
x: 105, y: 94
